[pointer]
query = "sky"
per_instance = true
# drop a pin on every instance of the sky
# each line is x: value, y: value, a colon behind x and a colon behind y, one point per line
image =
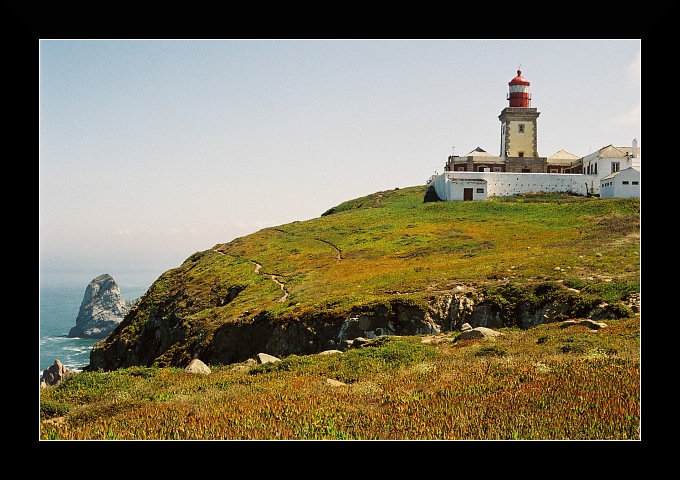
x: 152, y: 150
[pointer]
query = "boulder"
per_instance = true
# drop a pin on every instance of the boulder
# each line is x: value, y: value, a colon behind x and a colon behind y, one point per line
x: 478, y: 332
x: 196, y: 366
x: 55, y: 374
x: 266, y: 358
x: 592, y: 324
x: 330, y: 352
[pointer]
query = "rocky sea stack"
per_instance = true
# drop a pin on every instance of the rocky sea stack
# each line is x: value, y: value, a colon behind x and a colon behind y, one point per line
x: 101, y: 310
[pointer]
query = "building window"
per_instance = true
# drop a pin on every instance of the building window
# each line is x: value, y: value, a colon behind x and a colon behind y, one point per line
x: 480, y: 190
x: 625, y: 182
x: 497, y: 169
x: 521, y: 128
x: 526, y: 170
x: 616, y: 166
x: 520, y: 154
x: 635, y: 183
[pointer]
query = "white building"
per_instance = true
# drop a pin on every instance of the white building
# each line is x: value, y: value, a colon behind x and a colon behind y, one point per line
x: 608, y: 160
x: 520, y: 169
x: 621, y: 184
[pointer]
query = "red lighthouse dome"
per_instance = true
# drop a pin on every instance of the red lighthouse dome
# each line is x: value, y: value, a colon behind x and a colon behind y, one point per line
x: 519, y: 95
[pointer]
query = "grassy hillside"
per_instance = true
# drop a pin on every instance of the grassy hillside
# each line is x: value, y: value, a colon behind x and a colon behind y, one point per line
x: 372, y: 250
x: 546, y: 382
x: 392, y: 243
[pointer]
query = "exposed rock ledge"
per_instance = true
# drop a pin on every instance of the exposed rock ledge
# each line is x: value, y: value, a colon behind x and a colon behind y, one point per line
x: 163, y: 340
x: 101, y: 310
x: 57, y: 373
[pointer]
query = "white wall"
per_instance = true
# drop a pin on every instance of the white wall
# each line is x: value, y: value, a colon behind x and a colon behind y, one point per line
x: 441, y: 187
x: 457, y: 189
x: 504, y: 184
x: 607, y: 188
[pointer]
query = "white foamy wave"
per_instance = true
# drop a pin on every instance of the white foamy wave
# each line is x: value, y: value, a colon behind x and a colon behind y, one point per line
x: 58, y: 340
x: 73, y: 353
x: 78, y: 349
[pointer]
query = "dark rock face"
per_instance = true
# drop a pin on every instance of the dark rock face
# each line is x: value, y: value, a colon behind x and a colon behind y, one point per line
x: 101, y: 310
x: 162, y: 336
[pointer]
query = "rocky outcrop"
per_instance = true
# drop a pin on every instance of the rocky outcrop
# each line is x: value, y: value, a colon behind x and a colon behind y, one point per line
x: 101, y: 310
x: 162, y: 337
x: 55, y: 374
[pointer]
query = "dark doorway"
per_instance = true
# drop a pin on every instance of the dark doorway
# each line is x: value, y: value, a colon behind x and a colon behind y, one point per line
x: 467, y: 194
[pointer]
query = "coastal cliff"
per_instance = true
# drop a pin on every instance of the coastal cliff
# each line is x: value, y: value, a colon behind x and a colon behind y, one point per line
x: 390, y: 263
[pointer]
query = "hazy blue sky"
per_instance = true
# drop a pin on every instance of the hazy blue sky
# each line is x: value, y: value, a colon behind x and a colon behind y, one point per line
x: 151, y: 150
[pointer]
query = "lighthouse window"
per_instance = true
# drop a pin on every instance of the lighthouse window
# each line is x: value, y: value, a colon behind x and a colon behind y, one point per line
x: 521, y: 128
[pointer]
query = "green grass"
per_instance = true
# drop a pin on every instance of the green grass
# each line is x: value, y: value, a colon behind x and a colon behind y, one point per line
x: 393, y: 245
x: 544, y: 383
x: 394, y: 242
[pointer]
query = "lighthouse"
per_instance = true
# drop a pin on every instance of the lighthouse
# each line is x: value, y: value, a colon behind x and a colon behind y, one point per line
x: 519, y: 136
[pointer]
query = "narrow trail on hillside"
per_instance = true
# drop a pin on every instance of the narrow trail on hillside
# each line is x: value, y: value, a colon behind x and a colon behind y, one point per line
x: 274, y: 278
x: 338, y: 252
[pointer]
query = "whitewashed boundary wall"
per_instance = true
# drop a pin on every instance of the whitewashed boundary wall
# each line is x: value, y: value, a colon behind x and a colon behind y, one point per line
x: 450, y: 185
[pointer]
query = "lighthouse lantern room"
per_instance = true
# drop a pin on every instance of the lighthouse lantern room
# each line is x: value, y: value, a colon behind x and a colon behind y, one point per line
x: 519, y: 95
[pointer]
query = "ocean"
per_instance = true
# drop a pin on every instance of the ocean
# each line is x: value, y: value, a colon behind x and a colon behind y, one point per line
x: 61, y: 294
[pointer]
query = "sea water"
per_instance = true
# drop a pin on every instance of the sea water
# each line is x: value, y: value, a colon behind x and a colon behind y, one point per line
x: 60, y: 296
